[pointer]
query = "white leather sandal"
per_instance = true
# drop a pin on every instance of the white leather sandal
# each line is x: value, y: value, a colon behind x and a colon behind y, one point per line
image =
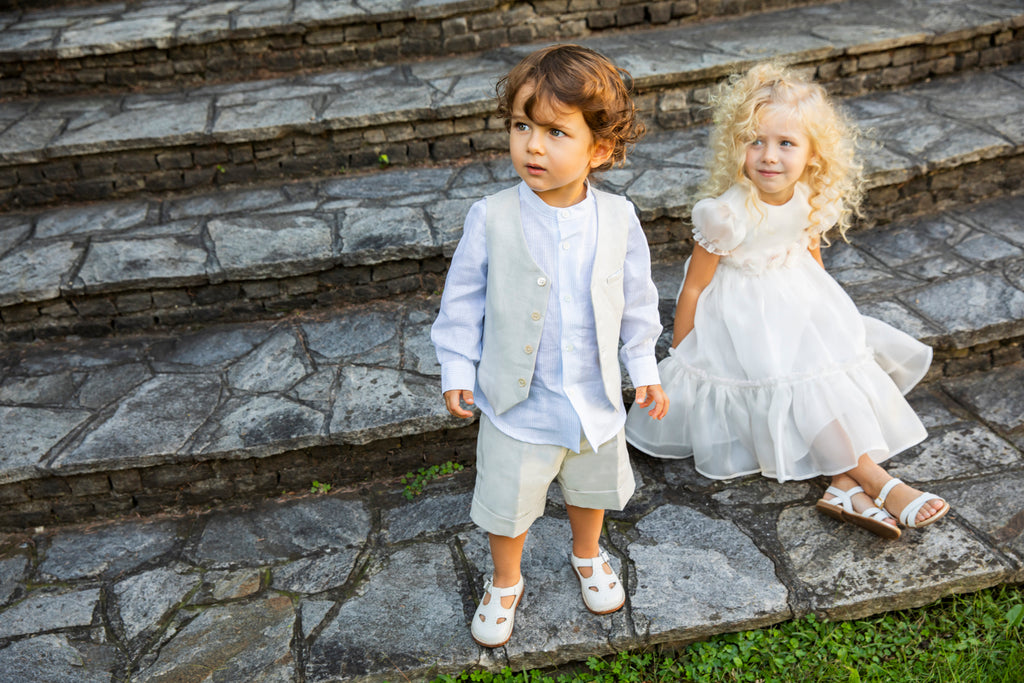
x: 602, y: 592
x: 908, y: 516
x: 841, y: 508
x: 492, y: 623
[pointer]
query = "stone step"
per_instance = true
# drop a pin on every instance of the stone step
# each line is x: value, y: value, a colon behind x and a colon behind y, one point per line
x: 149, y: 423
x: 61, y: 149
x: 120, y: 47
x: 368, y: 586
x: 115, y: 267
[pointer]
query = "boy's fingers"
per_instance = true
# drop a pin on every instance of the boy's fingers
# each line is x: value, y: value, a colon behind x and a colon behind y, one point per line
x: 641, y: 396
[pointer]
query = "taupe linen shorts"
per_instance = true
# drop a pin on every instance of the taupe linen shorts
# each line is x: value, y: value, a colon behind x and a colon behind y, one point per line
x: 512, y: 478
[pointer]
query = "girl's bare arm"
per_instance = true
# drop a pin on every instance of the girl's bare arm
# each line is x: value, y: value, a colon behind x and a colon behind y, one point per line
x: 702, y: 268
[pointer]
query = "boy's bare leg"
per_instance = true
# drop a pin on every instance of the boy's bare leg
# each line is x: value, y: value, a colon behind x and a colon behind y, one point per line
x: 586, y: 532
x: 872, y: 477
x: 507, y: 555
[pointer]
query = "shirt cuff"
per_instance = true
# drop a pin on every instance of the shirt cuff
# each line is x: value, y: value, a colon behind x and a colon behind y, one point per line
x: 643, y: 371
x: 458, y: 374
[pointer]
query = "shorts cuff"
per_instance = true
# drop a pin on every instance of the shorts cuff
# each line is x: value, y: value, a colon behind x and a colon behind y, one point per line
x: 600, y: 500
x: 498, y: 525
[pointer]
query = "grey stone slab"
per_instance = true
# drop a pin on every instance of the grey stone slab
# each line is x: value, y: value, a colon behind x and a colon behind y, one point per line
x: 276, y: 532
x: 992, y: 505
x: 47, y: 611
x: 763, y: 491
x: 252, y: 426
x: 1001, y: 217
x: 240, y: 642
x: 958, y: 450
x: 49, y: 390
x: 996, y: 396
x: 317, y: 390
x: 900, y: 317
x: 933, y: 408
x: 144, y: 600
x: 159, y: 261
x: 152, y: 424
x: 312, y: 575
x: 221, y: 203
x: 696, y: 576
x: 12, y: 575
x: 82, y: 220
x: 106, y: 552
x: 369, y: 336
x: 407, y: 617
x: 54, y: 658
x: 967, y: 307
x: 271, y: 246
x: 275, y: 365
x: 850, y: 573
x: 152, y: 124
x: 420, y: 355
x: 29, y: 135
x: 428, y: 515
x: 13, y: 230
x: 36, y: 272
x: 376, y: 403
x: 447, y: 217
x: 38, y: 430
x: 234, y: 585
x: 211, y: 348
x: 370, y: 236
x: 312, y: 613
x: 105, y: 385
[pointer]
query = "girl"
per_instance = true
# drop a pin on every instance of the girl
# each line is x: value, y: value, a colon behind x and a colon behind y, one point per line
x: 772, y: 369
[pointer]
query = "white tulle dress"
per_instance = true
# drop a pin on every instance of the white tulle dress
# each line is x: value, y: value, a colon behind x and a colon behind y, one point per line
x: 781, y: 374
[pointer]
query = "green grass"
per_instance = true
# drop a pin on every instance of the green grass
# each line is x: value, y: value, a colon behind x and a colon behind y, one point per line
x: 976, y: 638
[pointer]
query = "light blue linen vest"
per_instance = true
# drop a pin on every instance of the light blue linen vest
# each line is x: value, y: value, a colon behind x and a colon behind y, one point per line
x: 517, y: 299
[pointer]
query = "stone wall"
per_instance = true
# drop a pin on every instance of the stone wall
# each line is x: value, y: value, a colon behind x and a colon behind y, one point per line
x: 358, y: 40
x: 300, y: 154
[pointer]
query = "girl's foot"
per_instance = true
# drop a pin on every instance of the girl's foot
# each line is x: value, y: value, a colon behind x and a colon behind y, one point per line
x: 846, y: 501
x: 914, y: 508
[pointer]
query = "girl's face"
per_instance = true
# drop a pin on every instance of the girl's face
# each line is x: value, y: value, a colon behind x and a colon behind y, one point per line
x: 777, y: 157
x: 555, y: 154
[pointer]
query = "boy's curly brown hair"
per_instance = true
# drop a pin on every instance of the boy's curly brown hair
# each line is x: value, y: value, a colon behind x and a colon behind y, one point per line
x: 578, y: 77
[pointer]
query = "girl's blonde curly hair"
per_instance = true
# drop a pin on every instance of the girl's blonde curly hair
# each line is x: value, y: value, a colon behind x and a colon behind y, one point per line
x: 833, y: 174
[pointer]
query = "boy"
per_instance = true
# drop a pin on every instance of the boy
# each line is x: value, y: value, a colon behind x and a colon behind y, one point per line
x: 546, y: 279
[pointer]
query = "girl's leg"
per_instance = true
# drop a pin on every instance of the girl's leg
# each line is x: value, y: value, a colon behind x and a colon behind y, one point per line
x: 507, y: 555
x: 586, y: 531
x: 872, y: 477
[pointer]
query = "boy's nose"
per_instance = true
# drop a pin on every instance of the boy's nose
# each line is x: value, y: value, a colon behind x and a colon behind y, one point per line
x: 534, y: 144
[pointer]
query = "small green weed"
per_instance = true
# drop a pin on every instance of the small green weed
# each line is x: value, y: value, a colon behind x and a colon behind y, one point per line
x: 415, y: 481
x: 383, y: 160
x: 319, y: 487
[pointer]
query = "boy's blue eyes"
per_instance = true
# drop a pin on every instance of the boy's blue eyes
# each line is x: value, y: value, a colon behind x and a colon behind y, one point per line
x: 522, y: 127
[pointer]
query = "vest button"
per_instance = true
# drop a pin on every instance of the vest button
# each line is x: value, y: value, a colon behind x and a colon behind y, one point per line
x: 522, y: 382
x: 535, y: 315
x: 541, y: 281
x: 528, y: 349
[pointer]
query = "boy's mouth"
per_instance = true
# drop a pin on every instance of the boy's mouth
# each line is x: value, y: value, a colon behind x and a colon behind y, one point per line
x: 534, y: 169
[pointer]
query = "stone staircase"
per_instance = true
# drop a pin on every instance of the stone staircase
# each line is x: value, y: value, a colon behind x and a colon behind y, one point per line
x: 225, y: 227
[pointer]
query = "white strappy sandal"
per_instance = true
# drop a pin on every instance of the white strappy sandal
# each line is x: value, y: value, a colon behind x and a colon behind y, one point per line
x: 908, y: 517
x: 602, y: 592
x: 841, y: 508
x: 492, y: 623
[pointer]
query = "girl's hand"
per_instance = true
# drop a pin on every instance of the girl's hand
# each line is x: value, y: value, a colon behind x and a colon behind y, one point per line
x: 653, y: 393
x: 453, y: 399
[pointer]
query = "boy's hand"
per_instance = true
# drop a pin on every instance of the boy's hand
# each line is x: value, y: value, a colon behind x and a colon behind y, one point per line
x: 453, y: 401
x: 653, y: 393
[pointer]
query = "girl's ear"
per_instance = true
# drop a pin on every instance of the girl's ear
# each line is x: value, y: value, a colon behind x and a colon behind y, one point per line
x: 601, y: 153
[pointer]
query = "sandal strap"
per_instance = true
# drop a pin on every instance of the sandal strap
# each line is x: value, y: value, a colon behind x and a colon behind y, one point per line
x: 886, y: 489
x: 502, y: 592
x: 909, y: 515
x: 843, y: 498
x: 877, y: 513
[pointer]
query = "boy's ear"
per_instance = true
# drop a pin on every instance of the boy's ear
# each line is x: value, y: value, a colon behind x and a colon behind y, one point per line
x: 601, y: 153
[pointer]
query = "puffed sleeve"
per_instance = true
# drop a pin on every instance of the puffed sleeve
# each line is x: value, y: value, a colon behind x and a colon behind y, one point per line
x: 716, y: 227
x: 829, y: 214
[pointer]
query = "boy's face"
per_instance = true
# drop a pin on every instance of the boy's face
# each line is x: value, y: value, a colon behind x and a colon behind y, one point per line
x: 555, y: 153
